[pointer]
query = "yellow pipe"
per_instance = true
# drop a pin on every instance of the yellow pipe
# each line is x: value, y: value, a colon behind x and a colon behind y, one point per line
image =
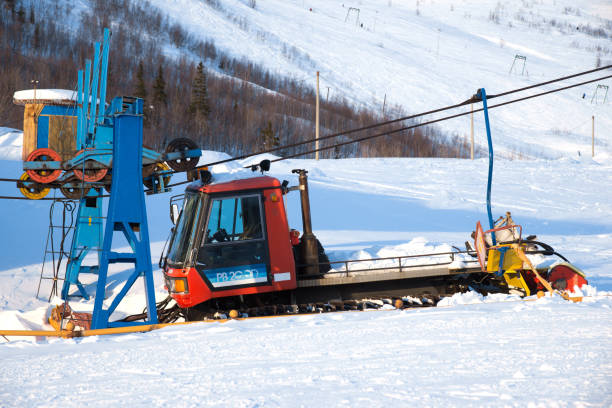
x: 150, y: 327
x: 45, y: 333
x: 126, y: 329
x: 85, y: 333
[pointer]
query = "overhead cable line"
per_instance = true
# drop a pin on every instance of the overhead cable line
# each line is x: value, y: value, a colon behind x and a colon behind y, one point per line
x: 437, y: 120
x: 389, y: 122
x: 473, y: 99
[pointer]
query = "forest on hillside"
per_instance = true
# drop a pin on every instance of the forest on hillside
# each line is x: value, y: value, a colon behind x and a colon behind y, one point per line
x: 221, y: 102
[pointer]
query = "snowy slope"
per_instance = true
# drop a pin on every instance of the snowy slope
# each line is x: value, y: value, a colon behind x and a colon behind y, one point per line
x: 11, y: 141
x: 429, y: 54
x: 472, y: 351
x: 536, y: 354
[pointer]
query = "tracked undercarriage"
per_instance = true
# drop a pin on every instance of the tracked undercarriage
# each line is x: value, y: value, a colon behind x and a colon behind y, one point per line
x: 346, y: 293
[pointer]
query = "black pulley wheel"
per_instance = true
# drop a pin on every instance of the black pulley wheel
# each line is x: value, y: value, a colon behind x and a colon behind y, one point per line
x: 74, y: 189
x: 182, y: 144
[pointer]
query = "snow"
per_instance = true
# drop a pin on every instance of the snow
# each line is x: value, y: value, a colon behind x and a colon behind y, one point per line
x: 470, y: 350
x: 498, y: 354
x: 429, y: 54
x: 45, y: 94
x: 420, y: 248
x: 11, y: 141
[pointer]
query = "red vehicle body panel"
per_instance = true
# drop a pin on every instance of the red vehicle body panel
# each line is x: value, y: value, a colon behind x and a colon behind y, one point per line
x: 573, y: 279
x: 282, y: 263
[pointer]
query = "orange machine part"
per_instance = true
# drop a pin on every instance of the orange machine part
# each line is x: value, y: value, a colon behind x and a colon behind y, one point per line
x: 89, y: 175
x: 44, y: 176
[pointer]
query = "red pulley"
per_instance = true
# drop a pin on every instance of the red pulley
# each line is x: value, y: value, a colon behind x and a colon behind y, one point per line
x: 44, y: 175
x: 89, y: 175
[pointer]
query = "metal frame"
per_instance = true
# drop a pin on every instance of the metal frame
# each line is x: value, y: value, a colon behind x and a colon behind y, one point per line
x: 88, y: 232
x: 594, y: 97
x: 126, y: 214
x: 519, y: 57
x: 87, y: 237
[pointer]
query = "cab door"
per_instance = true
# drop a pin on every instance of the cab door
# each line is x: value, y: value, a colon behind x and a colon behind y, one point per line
x: 234, y: 247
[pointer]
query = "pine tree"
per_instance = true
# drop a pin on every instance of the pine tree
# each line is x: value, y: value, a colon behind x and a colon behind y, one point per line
x: 36, y: 43
x: 10, y: 5
x: 141, y: 89
x: 268, y: 137
x: 21, y: 15
x: 199, y: 105
x: 159, y: 88
x: 337, y: 152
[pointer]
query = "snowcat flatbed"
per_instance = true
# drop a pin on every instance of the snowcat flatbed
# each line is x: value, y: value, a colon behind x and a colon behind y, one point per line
x: 386, y: 274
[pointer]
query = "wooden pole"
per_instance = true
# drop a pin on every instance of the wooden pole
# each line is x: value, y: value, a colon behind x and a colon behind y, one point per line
x: 384, y: 103
x: 317, y: 122
x: 593, y: 136
x: 472, y: 133
x: 35, y: 82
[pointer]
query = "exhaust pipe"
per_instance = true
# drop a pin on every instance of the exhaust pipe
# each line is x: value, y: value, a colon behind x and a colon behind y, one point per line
x: 309, y: 249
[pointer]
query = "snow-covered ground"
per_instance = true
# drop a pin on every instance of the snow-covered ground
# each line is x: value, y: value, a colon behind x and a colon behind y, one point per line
x: 421, y: 55
x: 469, y: 351
x: 11, y: 141
x: 522, y: 354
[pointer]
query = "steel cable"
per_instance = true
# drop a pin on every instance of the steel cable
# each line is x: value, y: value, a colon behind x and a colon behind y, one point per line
x: 389, y: 122
x: 437, y: 120
x: 473, y: 99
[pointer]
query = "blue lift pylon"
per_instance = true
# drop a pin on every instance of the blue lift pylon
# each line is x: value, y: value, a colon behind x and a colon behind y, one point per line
x: 88, y: 232
x: 99, y: 128
x: 87, y: 238
x: 126, y: 214
x: 110, y: 136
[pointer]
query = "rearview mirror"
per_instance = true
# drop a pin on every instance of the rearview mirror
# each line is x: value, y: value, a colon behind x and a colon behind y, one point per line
x: 174, y: 213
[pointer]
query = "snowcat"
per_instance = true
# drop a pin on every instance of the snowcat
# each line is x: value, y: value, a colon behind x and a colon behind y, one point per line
x: 232, y: 249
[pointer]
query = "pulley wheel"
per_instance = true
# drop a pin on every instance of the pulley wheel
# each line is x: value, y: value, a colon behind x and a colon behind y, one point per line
x: 46, y: 175
x: 148, y: 169
x: 159, y: 167
x: 89, y: 175
x: 107, y: 181
x: 180, y: 145
x: 33, y: 191
x: 74, y: 193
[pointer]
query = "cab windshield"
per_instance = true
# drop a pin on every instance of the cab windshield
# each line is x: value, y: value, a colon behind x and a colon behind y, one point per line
x: 185, y: 229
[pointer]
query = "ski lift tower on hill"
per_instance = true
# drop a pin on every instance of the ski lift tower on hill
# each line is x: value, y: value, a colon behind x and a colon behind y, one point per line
x: 519, y: 60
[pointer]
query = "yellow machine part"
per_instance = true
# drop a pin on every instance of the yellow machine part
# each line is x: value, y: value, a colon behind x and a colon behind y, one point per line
x: 159, y: 167
x: 514, y: 279
x: 34, y: 192
x: 511, y: 266
x: 511, y: 260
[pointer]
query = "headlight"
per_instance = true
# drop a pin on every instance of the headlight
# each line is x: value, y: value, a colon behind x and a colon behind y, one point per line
x: 177, y: 285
